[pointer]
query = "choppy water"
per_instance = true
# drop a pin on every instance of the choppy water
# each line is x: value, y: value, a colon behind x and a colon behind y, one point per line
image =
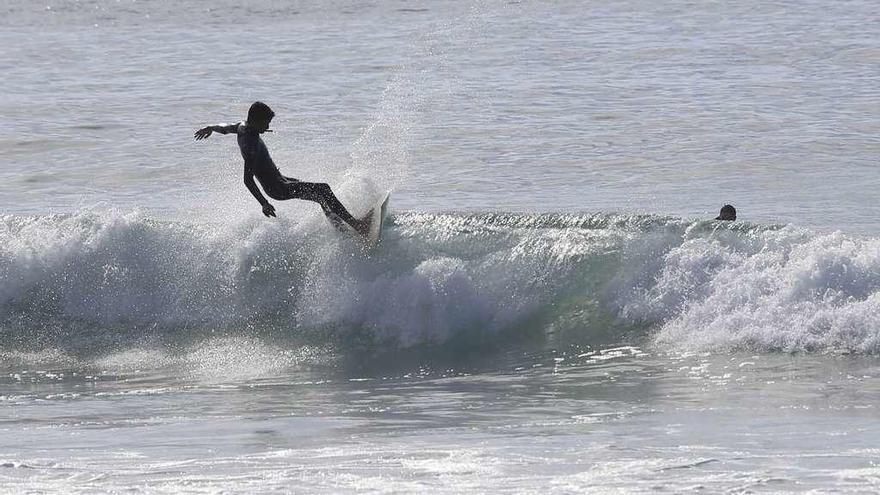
x: 550, y: 309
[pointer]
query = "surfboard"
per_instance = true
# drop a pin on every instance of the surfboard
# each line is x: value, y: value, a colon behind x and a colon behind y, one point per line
x: 373, y: 221
x: 375, y: 218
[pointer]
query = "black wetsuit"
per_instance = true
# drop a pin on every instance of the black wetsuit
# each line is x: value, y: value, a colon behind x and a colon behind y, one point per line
x: 258, y: 163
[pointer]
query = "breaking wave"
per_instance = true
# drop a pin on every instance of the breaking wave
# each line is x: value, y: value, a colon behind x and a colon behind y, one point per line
x: 578, y: 278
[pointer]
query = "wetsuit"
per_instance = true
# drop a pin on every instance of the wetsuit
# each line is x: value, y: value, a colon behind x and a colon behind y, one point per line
x: 258, y: 163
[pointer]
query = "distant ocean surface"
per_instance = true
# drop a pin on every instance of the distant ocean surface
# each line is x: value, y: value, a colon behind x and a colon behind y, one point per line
x: 552, y: 308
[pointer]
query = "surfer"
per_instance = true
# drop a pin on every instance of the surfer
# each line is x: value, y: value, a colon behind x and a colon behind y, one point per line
x: 728, y: 212
x: 258, y: 163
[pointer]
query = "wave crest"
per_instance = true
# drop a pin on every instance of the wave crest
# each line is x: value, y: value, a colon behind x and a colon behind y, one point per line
x: 439, y: 277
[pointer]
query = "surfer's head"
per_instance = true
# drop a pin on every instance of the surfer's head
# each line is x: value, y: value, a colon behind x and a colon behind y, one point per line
x: 259, y: 116
x: 728, y: 212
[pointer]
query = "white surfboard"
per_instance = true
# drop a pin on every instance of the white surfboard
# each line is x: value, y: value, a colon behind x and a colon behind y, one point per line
x: 375, y: 218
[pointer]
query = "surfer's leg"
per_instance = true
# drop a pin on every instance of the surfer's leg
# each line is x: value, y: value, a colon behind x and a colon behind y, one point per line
x: 334, y: 219
x: 321, y: 193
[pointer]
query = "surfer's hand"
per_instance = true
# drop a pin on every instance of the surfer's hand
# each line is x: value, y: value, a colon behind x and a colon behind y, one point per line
x: 268, y: 210
x: 203, y: 133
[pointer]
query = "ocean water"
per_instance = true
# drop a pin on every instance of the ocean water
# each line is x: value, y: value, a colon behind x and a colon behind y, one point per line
x: 551, y: 309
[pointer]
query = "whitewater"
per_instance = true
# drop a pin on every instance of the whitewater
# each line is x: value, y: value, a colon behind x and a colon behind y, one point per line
x: 552, y: 307
x: 439, y: 278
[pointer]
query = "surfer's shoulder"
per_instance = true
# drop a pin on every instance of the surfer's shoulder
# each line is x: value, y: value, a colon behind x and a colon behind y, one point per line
x: 243, y: 129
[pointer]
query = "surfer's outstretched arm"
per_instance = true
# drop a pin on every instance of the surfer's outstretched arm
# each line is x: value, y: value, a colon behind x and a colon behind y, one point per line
x: 221, y: 129
x: 268, y: 209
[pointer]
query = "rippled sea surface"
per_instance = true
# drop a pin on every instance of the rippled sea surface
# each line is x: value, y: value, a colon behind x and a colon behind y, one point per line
x: 551, y: 309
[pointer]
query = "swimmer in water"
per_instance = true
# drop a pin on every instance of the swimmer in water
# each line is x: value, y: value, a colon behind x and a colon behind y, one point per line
x: 728, y: 212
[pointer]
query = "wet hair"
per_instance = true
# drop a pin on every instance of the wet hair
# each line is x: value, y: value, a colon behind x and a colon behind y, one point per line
x: 728, y: 212
x: 259, y: 110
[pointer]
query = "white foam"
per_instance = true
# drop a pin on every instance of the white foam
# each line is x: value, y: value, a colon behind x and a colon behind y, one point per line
x: 783, y: 290
x: 436, y: 277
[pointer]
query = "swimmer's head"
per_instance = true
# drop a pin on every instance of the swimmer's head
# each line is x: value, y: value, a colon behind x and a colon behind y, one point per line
x: 259, y: 116
x: 728, y: 212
